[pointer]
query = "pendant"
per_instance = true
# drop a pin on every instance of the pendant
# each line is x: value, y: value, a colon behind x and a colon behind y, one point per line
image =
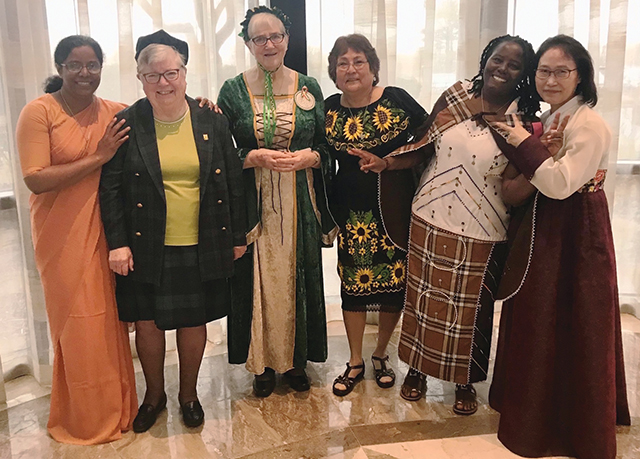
x: 304, y: 99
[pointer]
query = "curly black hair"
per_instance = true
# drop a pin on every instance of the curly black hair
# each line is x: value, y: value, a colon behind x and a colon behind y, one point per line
x: 277, y: 12
x: 529, y: 102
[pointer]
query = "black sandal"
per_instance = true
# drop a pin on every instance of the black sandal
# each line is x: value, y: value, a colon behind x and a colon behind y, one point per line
x: 346, y: 381
x: 383, y: 371
x: 414, y: 386
x: 465, y: 393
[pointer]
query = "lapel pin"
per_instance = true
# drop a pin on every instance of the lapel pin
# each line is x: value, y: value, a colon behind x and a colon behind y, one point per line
x: 205, y: 136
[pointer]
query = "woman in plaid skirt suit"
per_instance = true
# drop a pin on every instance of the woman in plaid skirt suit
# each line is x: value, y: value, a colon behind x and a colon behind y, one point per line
x: 173, y: 210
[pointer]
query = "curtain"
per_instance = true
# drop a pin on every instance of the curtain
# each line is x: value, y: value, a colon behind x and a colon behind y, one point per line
x: 424, y: 46
x: 606, y: 29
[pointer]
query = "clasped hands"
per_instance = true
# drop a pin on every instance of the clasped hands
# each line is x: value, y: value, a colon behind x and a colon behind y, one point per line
x: 553, y: 139
x: 286, y: 161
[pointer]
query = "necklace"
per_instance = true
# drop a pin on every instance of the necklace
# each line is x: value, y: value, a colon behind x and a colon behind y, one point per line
x: 172, y: 124
x: 83, y: 130
x: 497, y: 111
x: 366, y: 107
x: 66, y: 105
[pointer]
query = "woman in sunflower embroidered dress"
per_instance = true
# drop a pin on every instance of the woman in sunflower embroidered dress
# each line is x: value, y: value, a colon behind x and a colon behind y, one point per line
x: 372, y: 268
x: 277, y: 320
x: 459, y: 223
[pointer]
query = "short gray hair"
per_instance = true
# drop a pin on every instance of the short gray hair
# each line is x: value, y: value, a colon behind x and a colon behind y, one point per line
x: 154, y: 53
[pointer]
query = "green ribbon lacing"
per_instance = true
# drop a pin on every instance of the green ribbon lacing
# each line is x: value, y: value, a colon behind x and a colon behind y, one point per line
x: 268, y: 108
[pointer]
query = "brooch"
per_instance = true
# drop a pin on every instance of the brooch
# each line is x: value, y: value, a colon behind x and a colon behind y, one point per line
x: 304, y: 99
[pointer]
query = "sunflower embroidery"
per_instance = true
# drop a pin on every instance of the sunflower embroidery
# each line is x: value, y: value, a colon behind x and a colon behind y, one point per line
x: 330, y: 121
x: 364, y: 278
x: 382, y: 118
x: 386, y: 243
x: 397, y: 272
x: 353, y: 128
x: 387, y: 246
x: 361, y: 232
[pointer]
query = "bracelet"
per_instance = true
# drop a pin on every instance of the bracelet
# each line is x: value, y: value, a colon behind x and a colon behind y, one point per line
x: 318, y: 159
x: 386, y: 163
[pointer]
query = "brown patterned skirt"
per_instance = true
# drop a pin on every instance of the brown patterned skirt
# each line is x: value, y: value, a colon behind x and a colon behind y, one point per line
x: 448, y: 315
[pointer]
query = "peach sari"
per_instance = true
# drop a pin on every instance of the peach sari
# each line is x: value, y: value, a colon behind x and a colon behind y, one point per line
x: 93, y: 396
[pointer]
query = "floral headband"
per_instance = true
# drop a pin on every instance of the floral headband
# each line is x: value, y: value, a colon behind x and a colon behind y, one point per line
x: 277, y: 12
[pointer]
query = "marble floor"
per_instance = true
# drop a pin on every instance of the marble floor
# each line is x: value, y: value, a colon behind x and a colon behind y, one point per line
x: 369, y: 423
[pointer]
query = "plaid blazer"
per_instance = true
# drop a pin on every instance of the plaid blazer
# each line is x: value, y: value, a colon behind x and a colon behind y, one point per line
x: 132, y: 198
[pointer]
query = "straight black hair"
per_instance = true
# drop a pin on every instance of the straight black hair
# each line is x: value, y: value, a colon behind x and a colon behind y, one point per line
x: 64, y: 48
x: 587, y: 88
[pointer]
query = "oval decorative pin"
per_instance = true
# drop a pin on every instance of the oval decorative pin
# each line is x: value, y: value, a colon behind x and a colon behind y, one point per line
x: 304, y: 99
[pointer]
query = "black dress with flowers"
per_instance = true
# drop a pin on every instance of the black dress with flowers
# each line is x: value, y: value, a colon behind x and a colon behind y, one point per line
x: 372, y: 269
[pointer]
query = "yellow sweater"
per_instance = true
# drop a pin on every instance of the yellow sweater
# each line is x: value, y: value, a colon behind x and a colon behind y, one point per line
x: 181, y: 178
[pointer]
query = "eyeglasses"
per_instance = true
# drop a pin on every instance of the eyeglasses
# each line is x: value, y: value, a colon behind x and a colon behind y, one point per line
x: 93, y: 67
x: 344, y: 65
x: 276, y: 39
x: 169, y: 75
x: 560, y: 74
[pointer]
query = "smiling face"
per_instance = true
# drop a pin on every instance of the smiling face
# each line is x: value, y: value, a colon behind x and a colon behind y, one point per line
x: 165, y: 94
x: 556, y: 91
x: 270, y: 56
x: 353, y: 73
x: 503, y: 71
x: 83, y: 83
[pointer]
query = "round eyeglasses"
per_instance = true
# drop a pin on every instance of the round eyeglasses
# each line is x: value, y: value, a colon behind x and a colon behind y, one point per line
x: 344, y: 65
x: 169, y: 75
x: 560, y: 74
x: 93, y: 67
x: 276, y: 39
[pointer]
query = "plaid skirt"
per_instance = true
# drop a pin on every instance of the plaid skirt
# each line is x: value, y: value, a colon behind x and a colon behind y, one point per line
x: 181, y: 300
x: 448, y: 315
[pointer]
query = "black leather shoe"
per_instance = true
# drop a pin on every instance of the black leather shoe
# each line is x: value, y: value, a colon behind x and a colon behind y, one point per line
x: 147, y: 415
x: 192, y: 414
x: 264, y: 384
x: 297, y: 379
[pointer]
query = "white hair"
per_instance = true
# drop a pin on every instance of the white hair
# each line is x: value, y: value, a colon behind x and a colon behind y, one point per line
x: 156, y: 52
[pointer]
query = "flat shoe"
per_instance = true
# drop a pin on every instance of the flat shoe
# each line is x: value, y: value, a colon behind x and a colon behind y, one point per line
x: 346, y: 381
x: 192, y: 413
x: 297, y: 379
x: 264, y: 384
x: 147, y: 415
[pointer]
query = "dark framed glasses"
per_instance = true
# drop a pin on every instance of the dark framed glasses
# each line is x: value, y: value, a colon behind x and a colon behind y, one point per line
x: 169, y: 75
x: 276, y: 39
x: 93, y: 67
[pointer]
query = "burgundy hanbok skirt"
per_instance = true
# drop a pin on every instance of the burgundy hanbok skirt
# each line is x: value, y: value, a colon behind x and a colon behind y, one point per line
x: 559, y: 381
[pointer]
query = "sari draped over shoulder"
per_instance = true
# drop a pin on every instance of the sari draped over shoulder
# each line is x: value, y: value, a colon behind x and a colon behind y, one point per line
x: 93, y: 396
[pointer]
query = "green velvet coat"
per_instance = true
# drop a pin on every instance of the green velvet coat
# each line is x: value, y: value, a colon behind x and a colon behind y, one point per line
x: 312, y: 233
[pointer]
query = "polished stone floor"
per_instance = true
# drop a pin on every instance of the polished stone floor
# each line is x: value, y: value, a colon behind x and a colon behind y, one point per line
x: 369, y: 423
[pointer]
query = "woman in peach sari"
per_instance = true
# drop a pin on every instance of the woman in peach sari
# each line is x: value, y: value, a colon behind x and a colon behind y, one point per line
x: 64, y: 138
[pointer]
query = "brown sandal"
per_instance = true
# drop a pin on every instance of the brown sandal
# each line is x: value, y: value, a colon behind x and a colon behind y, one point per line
x: 465, y: 393
x: 414, y: 386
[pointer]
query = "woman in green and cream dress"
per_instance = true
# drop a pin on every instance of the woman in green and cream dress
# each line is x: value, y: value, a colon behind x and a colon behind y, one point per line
x: 277, y: 322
